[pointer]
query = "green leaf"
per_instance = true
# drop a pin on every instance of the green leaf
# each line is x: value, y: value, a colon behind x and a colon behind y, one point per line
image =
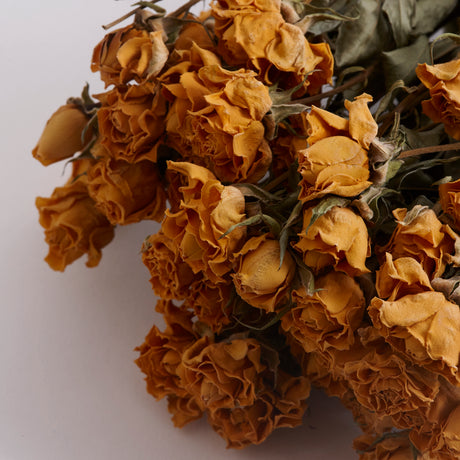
x: 363, y: 38
x: 400, y: 64
x: 400, y: 15
x: 453, y: 37
x: 284, y: 235
x: 282, y: 111
x: 430, y: 13
x: 272, y: 321
x: 250, y: 221
x: 251, y: 190
x: 324, y: 206
x: 306, y: 278
x: 272, y: 223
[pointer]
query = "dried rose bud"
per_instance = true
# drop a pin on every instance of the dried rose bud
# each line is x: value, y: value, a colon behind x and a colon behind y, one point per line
x: 62, y: 136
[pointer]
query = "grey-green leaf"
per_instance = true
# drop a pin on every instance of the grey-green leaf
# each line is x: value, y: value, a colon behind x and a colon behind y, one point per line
x: 400, y: 64
x: 400, y: 16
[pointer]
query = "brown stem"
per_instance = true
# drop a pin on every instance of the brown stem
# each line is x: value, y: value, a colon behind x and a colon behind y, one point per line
x: 407, y: 103
x: 125, y: 16
x: 430, y: 149
x: 271, y: 185
x: 183, y: 8
x: 362, y: 76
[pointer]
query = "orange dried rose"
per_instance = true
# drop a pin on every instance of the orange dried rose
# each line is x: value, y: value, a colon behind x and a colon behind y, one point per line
x: 259, y: 279
x: 425, y: 327
x: 420, y: 235
x: 327, y: 318
x: 255, y: 35
x: 171, y: 277
x: 207, y: 210
x: 283, y: 406
x: 215, y: 121
x: 184, y: 410
x: 222, y: 375
x: 73, y: 225
x: 449, y: 196
x: 209, y: 302
x: 400, y: 277
x: 127, y: 192
x: 195, y: 32
x: 443, y: 82
x: 439, y: 436
x: 62, y: 136
x: 336, y: 160
x: 336, y: 239
x: 129, y: 54
x: 387, y: 385
x: 162, y: 352
x: 131, y: 120
x: 397, y: 447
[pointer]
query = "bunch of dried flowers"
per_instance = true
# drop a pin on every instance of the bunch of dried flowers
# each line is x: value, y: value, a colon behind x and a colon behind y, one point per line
x: 301, y: 159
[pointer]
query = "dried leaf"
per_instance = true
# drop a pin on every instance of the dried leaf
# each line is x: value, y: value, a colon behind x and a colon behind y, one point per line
x: 400, y: 16
x: 400, y: 64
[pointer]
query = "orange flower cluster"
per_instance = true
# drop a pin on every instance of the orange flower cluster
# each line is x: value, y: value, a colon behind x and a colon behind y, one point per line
x: 295, y: 247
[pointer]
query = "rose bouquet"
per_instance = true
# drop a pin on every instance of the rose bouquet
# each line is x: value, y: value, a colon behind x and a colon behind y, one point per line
x: 301, y: 159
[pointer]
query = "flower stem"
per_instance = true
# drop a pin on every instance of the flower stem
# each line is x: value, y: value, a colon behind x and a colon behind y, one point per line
x: 430, y: 149
x: 184, y: 8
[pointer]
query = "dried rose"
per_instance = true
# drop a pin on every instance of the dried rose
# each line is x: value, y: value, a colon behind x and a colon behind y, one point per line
x: 387, y: 385
x: 336, y: 239
x: 207, y: 210
x: 259, y: 279
x: 73, y: 225
x: 184, y: 410
x: 420, y: 235
x: 127, y: 193
x: 129, y: 54
x: 171, y: 277
x: 336, y: 160
x: 215, y: 121
x: 284, y: 406
x: 449, y: 196
x: 399, y: 277
x: 161, y: 353
x: 425, y: 327
x: 131, y: 120
x: 327, y: 318
x: 443, y: 82
x: 255, y: 35
x: 62, y: 136
x: 222, y: 375
x: 396, y: 447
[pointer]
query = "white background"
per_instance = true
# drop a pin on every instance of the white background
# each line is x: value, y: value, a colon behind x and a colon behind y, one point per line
x: 68, y: 386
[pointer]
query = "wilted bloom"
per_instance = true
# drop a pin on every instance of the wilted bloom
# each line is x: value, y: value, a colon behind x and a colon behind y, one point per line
x: 283, y: 406
x: 127, y: 192
x: 399, y: 277
x: 222, y: 375
x: 62, y: 136
x: 425, y: 327
x: 129, y: 54
x: 329, y: 316
x: 161, y: 353
x: 73, y: 224
x: 336, y: 160
x: 207, y: 210
x: 254, y: 34
x: 259, y: 279
x: 336, y: 239
x: 371, y: 447
x: 215, y: 120
x: 421, y: 235
x: 171, y: 277
x: 443, y: 81
x: 131, y: 120
x: 449, y: 196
